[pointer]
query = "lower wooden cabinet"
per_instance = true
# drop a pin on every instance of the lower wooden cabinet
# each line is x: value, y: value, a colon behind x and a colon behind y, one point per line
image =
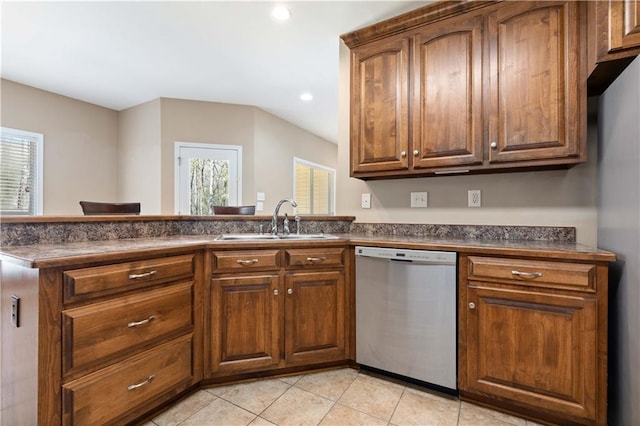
x: 315, y: 317
x: 287, y: 312
x: 245, y: 323
x: 109, y: 395
x: 530, y: 337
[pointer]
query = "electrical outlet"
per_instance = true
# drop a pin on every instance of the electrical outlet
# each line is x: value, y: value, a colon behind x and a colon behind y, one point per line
x: 475, y: 199
x: 419, y: 199
x: 366, y: 201
x: 15, y: 310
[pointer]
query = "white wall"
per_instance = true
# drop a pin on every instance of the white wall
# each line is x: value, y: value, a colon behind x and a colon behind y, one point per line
x: 80, y: 145
x: 619, y: 231
x: 139, y: 156
x: 553, y: 198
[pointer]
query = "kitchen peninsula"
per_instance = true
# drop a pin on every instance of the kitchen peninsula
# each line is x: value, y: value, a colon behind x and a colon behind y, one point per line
x: 138, y: 319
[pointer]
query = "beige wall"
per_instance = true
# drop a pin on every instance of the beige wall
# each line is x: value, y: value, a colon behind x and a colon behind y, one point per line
x: 276, y: 143
x: 80, y: 144
x: 94, y: 153
x: 139, y: 156
x: 553, y: 198
x: 204, y: 122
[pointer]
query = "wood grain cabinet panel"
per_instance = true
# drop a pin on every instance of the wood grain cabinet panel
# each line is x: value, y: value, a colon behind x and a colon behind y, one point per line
x: 245, y: 260
x: 534, y: 347
x: 314, y: 317
x: 447, y: 94
x: 244, y: 322
x: 315, y: 258
x: 290, y: 317
x: 88, y: 283
x: 536, y: 83
x: 534, y: 273
x: 380, y: 106
x: 92, y: 334
x: 108, y: 395
x: 624, y: 22
x: 494, y: 87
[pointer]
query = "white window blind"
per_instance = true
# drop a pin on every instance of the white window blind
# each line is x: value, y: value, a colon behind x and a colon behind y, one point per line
x: 313, y: 188
x: 20, y: 172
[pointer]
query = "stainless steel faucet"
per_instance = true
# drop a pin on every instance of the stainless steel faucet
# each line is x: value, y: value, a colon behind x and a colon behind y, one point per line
x: 274, y: 220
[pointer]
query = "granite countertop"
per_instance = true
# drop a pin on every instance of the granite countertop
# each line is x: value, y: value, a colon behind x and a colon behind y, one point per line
x: 64, y: 254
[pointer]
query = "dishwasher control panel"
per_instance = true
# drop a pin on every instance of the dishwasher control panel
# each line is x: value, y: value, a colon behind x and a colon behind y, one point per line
x: 428, y: 256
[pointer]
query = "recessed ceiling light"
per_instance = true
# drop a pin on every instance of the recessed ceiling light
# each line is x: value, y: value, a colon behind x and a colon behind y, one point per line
x: 280, y: 13
x: 306, y: 96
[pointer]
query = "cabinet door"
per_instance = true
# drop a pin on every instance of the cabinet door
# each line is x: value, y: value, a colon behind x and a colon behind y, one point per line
x: 534, y: 349
x: 379, y: 106
x: 537, y: 87
x: 447, y: 94
x: 315, y: 317
x: 624, y: 24
x: 244, y: 318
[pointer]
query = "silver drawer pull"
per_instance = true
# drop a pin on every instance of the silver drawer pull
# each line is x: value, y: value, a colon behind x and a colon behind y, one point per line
x: 145, y: 275
x: 246, y: 262
x: 144, y: 321
x: 289, y: 291
x: 527, y: 274
x: 316, y: 259
x: 141, y: 384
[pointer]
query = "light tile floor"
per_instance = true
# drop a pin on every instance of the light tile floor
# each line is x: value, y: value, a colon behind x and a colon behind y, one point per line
x: 337, y: 397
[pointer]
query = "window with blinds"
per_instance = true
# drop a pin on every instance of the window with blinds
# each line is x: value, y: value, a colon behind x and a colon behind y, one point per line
x: 314, y: 188
x: 20, y: 172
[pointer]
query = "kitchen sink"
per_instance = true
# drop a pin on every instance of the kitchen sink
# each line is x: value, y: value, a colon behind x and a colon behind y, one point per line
x: 257, y: 237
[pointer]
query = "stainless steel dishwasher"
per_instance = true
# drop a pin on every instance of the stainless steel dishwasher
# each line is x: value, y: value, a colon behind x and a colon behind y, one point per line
x: 406, y: 313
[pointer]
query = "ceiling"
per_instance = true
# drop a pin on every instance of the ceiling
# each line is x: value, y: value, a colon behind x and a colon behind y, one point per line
x: 120, y: 54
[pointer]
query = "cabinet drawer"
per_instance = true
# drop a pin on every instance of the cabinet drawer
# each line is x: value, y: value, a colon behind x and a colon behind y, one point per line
x: 87, y: 283
x: 572, y: 276
x: 245, y: 260
x: 91, y: 334
x: 108, y: 394
x: 322, y: 258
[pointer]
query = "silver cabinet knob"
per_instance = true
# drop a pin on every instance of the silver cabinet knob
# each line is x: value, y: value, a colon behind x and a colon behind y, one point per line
x: 403, y: 153
x: 494, y: 144
x: 416, y: 152
x: 472, y: 305
x: 276, y: 292
x: 289, y: 291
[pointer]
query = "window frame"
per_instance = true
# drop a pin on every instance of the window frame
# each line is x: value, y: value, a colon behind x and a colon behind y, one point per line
x: 332, y: 189
x: 38, y: 138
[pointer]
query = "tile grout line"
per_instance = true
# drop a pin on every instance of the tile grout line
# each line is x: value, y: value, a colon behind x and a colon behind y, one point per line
x: 404, y: 389
x: 337, y: 399
x: 215, y: 397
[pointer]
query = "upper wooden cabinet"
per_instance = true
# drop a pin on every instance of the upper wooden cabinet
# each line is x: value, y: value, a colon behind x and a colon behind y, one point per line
x: 447, y: 94
x: 614, y: 40
x: 536, y: 87
x: 380, y: 106
x: 492, y: 87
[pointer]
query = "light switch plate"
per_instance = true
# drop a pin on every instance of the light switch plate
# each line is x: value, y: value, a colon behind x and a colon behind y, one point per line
x: 366, y: 201
x: 259, y: 206
x: 260, y: 196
